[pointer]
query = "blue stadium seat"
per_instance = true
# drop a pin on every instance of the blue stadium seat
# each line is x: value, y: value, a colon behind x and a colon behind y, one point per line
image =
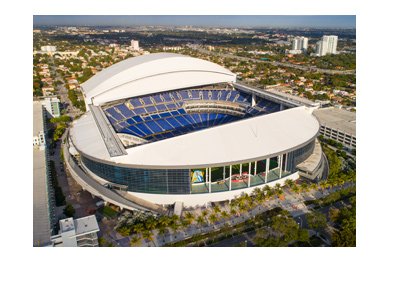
x: 124, y: 110
x: 159, y: 116
x: 151, y: 109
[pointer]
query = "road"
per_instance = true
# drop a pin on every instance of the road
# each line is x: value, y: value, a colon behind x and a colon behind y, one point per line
x: 62, y: 91
x: 275, y: 63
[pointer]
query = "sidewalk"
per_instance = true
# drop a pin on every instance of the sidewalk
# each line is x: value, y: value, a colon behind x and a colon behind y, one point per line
x: 290, y: 200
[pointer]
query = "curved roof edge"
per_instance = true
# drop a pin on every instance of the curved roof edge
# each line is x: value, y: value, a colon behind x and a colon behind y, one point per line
x: 150, y: 74
x: 242, y: 141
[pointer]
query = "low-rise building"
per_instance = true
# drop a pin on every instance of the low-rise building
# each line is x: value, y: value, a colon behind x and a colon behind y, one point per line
x: 81, y: 232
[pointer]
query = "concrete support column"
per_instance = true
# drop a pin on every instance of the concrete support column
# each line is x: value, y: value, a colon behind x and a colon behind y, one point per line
x: 285, y: 167
x: 280, y: 158
x: 190, y: 181
x: 224, y: 174
x: 240, y: 172
x: 248, y: 177
x: 255, y: 168
x: 266, y: 169
x: 230, y: 177
x: 206, y: 180
x: 209, y: 180
x: 253, y: 100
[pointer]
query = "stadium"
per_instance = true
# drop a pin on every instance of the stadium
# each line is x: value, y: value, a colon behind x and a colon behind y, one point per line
x: 165, y: 128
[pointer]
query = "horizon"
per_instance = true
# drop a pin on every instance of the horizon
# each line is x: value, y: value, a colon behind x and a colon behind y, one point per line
x: 223, y: 21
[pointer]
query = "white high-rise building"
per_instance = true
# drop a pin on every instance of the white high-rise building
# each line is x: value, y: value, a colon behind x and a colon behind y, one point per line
x: 48, y: 49
x: 327, y: 45
x: 52, y: 105
x: 135, y: 45
x: 300, y: 43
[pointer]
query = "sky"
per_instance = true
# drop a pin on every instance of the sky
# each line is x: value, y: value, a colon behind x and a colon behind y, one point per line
x: 310, y: 21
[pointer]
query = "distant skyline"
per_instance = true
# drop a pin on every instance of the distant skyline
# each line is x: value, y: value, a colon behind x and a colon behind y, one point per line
x: 275, y: 21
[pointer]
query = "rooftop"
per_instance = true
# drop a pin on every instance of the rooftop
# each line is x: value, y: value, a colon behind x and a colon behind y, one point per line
x: 152, y: 73
x: 37, y: 117
x: 41, y: 221
x: 336, y: 118
x: 86, y: 224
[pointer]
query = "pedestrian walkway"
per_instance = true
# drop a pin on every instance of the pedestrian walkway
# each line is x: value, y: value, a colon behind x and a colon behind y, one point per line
x: 294, y: 203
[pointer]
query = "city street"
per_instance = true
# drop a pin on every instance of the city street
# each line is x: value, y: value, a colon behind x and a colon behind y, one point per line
x: 275, y: 63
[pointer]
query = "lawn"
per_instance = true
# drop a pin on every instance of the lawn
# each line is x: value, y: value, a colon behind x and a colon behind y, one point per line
x: 108, y: 212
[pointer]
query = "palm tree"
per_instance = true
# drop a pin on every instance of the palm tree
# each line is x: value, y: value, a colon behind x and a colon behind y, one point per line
x: 163, y: 222
x: 217, y: 209
x: 313, y: 186
x: 189, y: 217
x: 161, y: 230
x: 204, y: 213
x: 278, y: 188
x: 150, y: 224
x: 134, y: 240
x: 224, y: 214
x: 175, y: 225
x: 266, y: 189
x: 138, y: 228
x: 304, y: 187
x: 296, y: 189
x: 185, y: 223
x: 242, y: 208
x: 289, y: 182
x: 323, y: 184
x: 255, y: 192
x: 148, y: 235
x: 213, y: 218
x: 200, y: 220
x: 233, y: 210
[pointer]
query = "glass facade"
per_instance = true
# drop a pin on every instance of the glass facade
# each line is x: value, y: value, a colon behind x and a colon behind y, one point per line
x: 157, y: 181
x: 201, y: 180
x: 299, y: 155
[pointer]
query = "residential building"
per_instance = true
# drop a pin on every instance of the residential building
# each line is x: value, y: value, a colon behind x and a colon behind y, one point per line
x: 327, y: 45
x: 135, y: 45
x: 81, y: 232
x: 43, y: 193
x: 48, y: 49
x: 300, y: 43
x: 52, y: 106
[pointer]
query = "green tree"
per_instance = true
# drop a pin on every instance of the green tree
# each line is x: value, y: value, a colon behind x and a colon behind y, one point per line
x: 200, y: 220
x: 216, y: 209
x: 134, y: 240
x: 290, y: 183
x: 334, y: 214
x: 189, y: 217
x: 224, y: 214
x: 69, y: 210
x: 213, y: 218
x: 316, y: 220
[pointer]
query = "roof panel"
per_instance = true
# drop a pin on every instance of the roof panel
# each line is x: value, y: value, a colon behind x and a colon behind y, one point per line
x: 239, y: 141
x: 152, y: 73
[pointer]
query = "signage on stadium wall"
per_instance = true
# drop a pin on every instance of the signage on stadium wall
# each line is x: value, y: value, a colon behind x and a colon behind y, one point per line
x: 197, y: 176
